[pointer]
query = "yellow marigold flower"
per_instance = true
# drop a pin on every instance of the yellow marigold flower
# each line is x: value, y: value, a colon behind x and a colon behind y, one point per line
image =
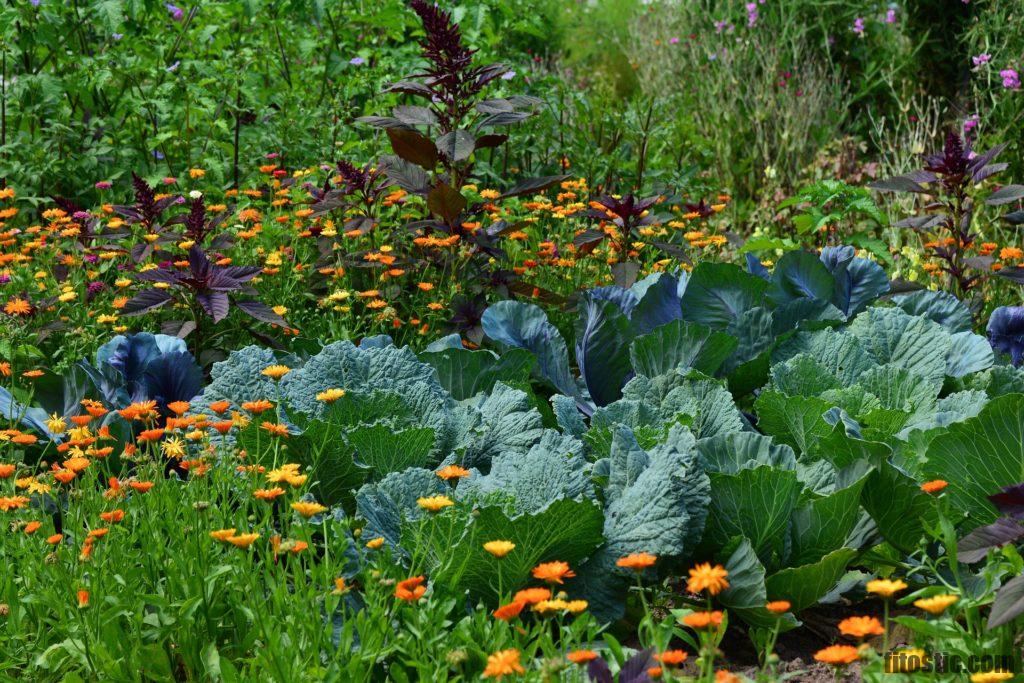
x: 434, y: 503
x: 553, y: 605
x: 222, y: 535
x: 243, y: 540
x: 706, y: 577
x: 308, y: 508
x: 375, y: 543
x: 499, y: 548
x: 936, y: 604
x: 56, y: 424
x: 195, y: 173
x: 885, y: 587
x: 330, y: 395
x: 275, y: 371
x: 173, y: 448
x: 340, y: 587
x: 576, y: 606
x: 504, y: 663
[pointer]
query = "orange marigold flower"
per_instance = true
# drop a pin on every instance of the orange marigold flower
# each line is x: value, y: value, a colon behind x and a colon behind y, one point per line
x: 1010, y: 253
x: 698, y: 620
x: 99, y: 533
x: 937, y: 604
x: 778, y: 606
x: 861, y: 627
x: 55, y: 539
x: 723, y: 676
x: 706, y: 577
x: 452, y: 472
x: 375, y: 543
x: 7, y: 470
x: 411, y: 589
x: 504, y: 663
x: 151, y: 435
x: 268, y: 494
x: 934, y: 486
x: 179, y: 407
x: 672, y: 657
x: 637, y: 561
x: 33, y: 527
x: 257, y: 407
x: 17, y: 307
x: 434, y: 503
x: 510, y: 611
x: 83, y: 599
x: 553, y: 572
x: 141, y: 486
x: 837, y: 655
x: 275, y: 429
x: 275, y: 371
x: 654, y: 672
x: 532, y: 596
x: 222, y: 535
x: 581, y: 656
x: 64, y: 476
x: 308, y: 508
x: 220, y: 407
x: 114, y: 516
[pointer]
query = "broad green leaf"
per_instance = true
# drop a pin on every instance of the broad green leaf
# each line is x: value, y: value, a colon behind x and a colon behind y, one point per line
x: 464, y: 373
x: 717, y: 294
x: 680, y: 346
x: 803, y: 586
x: 747, y: 594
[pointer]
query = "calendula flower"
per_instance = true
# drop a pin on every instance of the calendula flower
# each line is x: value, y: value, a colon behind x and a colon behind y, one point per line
x: 243, y: 540
x: 411, y: 589
x: 330, y: 395
x: 220, y: 407
x: 778, y: 606
x: 83, y: 599
x: 222, y: 535
x: 531, y: 596
x: 581, y: 656
x: 113, y: 517
x: 257, y: 407
x: 375, y: 543
x: 655, y: 672
x: 937, y: 604
x: 32, y: 527
x: 7, y: 470
x: 56, y: 424
x: 503, y: 663
x: 268, y: 494
x: 179, y: 407
x: 9, y: 503
x: 141, y: 486
x: 699, y: 620
x: 576, y: 606
x: 885, y: 587
x: 499, y: 548
x: 935, y: 486
x: 861, y: 627
x: 173, y: 448
x: 553, y: 572
x: 434, y: 503
x: 637, y: 561
x: 275, y: 429
x: 672, y: 657
x: 837, y: 655
x: 275, y: 371
x: 706, y: 577
x: 308, y: 508
x: 55, y: 539
x: 452, y: 472
x: 509, y: 611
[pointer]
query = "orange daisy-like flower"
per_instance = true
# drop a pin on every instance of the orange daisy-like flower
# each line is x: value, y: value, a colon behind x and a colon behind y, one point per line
x: 114, y: 516
x: 699, y: 620
x: 935, y: 486
x: 179, y: 407
x: 885, y: 587
x: 83, y: 599
x: 375, y: 543
x: 55, y: 539
x: 532, y: 596
x: 452, y: 472
x: 19, y: 307
x: 504, y: 663
x: 242, y: 540
x: 151, y: 435
x: 581, y: 656
x: 723, y: 676
x: 141, y: 486
x: 257, y: 407
x: 510, y: 611
x: 275, y: 429
x: 275, y: 371
x: 220, y: 407
x: 637, y: 561
x: 553, y: 572
x: 778, y: 606
x: 7, y: 470
x: 268, y: 494
x: 861, y: 627
x: 32, y: 527
x: 655, y: 672
x: 411, y: 589
x: 837, y: 655
x: 222, y: 535
x: 672, y: 657
x: 706, y: 577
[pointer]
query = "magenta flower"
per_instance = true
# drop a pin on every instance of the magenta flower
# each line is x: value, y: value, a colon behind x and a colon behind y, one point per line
x: 858, y: 26
x: 890, y: 16
x: 103, y: 185
x: 674, y: 40
x: 751, y: 14
x: 982, y: 59
x: 1011, y: 79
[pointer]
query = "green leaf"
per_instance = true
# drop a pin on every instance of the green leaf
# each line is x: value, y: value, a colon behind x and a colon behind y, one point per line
x: 793, y: 420
x: 822, y: 525
x: 730, y: 453
x: 680, y: 346
x: 385, y: 450
x: 717, y: 294
x: 464, y: 373
x: 800, y: 274
x: 803, y: 586
x: 755, y: 503
x: 979, y: 456
x: 747, y: 594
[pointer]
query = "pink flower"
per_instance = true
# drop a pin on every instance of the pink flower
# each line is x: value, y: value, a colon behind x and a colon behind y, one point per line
x: 1011, y: 80
x: 981, y: 59
x: 103, y: 185
x: 858, y: 26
